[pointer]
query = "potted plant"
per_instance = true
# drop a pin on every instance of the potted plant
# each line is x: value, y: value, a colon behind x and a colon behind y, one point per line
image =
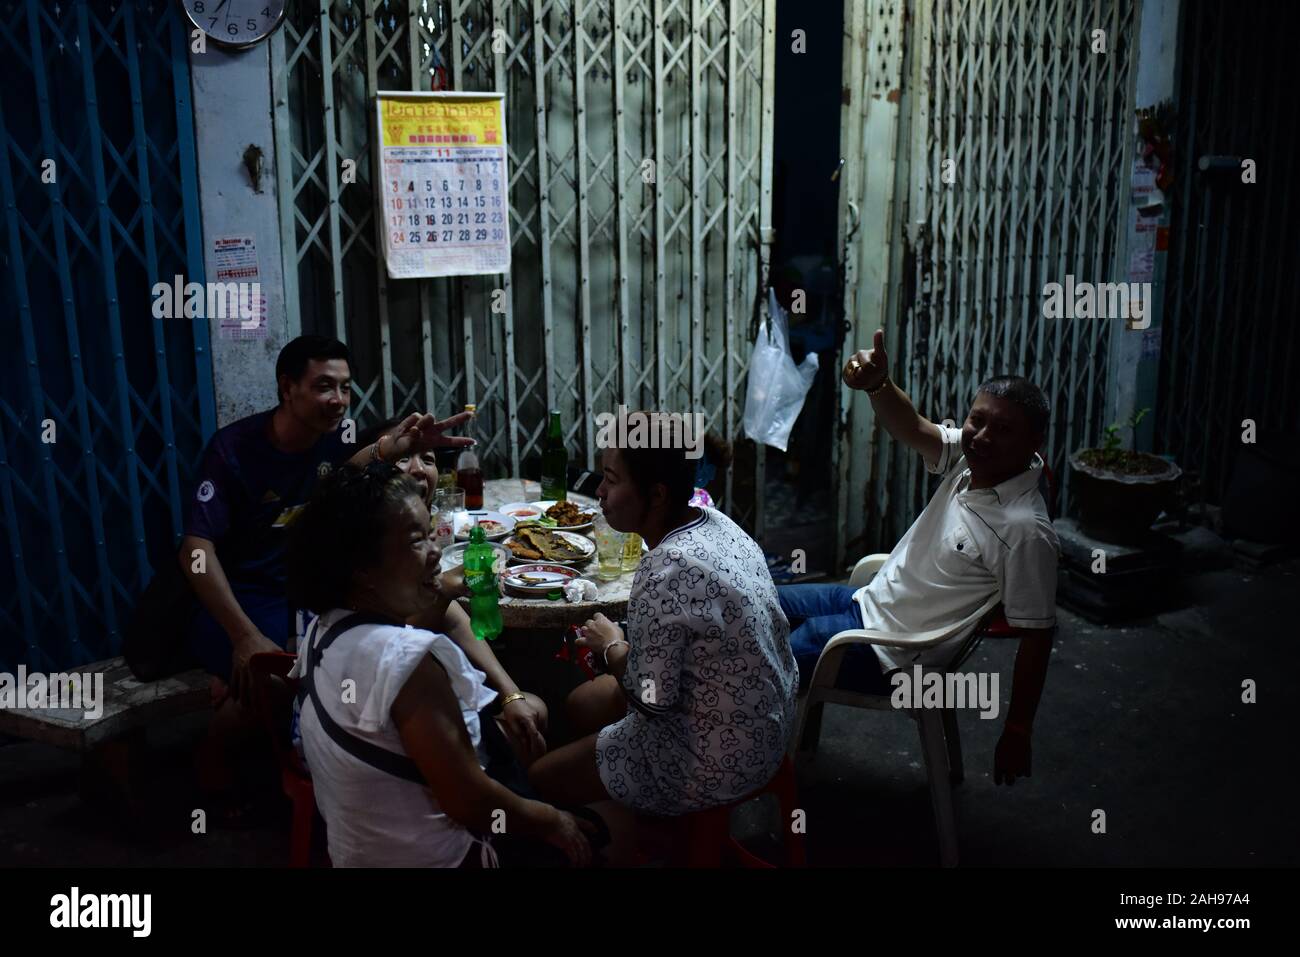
x: 1119, y: 492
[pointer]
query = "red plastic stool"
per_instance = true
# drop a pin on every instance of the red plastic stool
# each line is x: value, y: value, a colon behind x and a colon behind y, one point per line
x: 272, y: 705
x: 708, y: 833
x: 302, y: 796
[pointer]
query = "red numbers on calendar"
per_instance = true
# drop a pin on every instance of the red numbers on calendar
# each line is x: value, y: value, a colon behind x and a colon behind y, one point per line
x: 441, y: 196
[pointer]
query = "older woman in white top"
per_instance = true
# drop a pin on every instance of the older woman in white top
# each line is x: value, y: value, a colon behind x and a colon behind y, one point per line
x: 700, y: 697
x: 391, y: 727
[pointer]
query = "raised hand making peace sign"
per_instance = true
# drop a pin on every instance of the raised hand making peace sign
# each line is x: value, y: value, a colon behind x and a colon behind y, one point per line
x: 419, y: 433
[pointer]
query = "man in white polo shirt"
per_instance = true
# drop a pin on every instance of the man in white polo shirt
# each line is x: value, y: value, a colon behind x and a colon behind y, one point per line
x: 986, y: 531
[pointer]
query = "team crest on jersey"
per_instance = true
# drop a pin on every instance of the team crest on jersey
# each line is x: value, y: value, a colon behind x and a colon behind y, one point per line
x: 206, y: 491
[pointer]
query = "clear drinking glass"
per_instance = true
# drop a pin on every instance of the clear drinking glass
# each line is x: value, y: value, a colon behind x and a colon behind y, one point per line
x: 609, y: 550
x: 449, y: 506
x: 631, y: 552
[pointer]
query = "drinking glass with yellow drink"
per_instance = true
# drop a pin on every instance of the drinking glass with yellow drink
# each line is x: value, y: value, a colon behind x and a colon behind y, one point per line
x: 609, y: 550
x: 631, y: 552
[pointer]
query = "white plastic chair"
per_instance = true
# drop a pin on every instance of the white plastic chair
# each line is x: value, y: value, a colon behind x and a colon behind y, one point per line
x: 940, y: 743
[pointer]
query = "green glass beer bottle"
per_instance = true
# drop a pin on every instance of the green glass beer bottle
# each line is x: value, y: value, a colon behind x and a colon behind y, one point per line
x: 555, y: 461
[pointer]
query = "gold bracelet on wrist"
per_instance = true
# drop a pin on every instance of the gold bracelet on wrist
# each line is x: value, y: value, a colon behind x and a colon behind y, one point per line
x: 883, y: 382
x: 513, y: 696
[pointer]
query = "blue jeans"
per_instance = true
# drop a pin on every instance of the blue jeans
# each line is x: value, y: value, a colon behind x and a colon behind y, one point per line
x: 266, y: 607
x: 817, y: 613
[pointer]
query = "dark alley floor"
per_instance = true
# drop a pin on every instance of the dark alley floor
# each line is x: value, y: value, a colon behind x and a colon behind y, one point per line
x: 1143, y: 721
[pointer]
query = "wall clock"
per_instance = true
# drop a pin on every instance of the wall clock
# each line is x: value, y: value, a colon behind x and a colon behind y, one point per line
x: 236, y: 24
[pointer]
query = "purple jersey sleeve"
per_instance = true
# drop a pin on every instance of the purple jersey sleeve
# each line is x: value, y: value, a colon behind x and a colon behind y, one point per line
x: 208, y: 512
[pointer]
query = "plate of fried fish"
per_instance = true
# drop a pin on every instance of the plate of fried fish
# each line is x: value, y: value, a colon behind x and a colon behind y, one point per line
x: 535, y: 543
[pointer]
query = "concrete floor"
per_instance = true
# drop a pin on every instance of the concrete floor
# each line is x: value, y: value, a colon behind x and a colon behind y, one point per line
x: 1144, y: 722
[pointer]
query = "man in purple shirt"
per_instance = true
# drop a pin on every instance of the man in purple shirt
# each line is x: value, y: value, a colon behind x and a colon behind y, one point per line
x: 255, y: 476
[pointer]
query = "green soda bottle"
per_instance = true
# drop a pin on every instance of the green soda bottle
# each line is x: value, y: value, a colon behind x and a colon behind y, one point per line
x: 481, y: 579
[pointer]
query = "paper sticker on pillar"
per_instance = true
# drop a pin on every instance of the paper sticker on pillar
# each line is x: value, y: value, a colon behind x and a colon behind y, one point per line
x: 1145, y: 196
x: 234, y: 258
x: 1105, y: 300
x: 249, y: 326
x: 1151, y: 344
x: 1142, y: 238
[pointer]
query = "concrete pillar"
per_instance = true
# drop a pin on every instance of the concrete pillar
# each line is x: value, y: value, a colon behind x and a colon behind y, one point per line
x: 232, y: 113
x: 1135, y: 353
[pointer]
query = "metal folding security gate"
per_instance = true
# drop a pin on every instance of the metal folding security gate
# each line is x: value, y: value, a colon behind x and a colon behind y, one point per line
x: 640, y: 191
x: 1230, y: 347
x: 103, y: 408
x: 986, y: 146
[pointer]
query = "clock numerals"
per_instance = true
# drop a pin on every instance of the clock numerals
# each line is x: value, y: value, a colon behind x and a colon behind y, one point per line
x: 233, y: 23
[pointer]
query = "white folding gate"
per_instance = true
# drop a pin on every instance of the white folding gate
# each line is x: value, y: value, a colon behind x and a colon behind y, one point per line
x: 988, y: 148
x: 640, y: 192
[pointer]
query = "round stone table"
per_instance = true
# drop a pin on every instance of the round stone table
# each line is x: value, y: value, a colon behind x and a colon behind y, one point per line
x: 543, y: 613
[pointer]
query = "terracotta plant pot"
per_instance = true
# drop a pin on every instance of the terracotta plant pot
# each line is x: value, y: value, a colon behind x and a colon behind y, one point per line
x: 1119, y: 507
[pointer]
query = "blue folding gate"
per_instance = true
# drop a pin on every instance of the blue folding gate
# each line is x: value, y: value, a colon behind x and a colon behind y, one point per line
x: 103, y: 408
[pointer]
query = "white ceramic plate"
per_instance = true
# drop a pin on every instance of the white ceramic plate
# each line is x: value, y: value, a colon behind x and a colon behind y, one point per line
x: 465, y: 520
x: 521, y: 511
x: 581, y: 541
x: 455, y: 556
x: 537, y: 579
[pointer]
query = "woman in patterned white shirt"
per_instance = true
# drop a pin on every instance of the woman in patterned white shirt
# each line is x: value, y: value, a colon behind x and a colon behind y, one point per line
x: 700, y: 696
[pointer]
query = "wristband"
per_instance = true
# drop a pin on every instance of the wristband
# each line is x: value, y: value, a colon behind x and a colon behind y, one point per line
x: 513, y: 696
x: 883, y: 382
x: 375, y: 455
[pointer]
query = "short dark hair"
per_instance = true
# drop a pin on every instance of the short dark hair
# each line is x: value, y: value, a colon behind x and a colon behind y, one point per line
x: 648, y: 467
x: 1023, y: 393
x: 293, y: 358
x: 341, y: 531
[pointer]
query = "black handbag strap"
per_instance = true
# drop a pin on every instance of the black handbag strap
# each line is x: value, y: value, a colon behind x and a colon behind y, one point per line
x: 398, y: 765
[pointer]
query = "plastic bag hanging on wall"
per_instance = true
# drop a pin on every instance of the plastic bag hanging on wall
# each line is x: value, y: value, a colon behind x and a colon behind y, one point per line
x: 777, y: 387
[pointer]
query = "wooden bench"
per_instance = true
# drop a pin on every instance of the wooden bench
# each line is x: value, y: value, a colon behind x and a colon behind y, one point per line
x: 110, y: 744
